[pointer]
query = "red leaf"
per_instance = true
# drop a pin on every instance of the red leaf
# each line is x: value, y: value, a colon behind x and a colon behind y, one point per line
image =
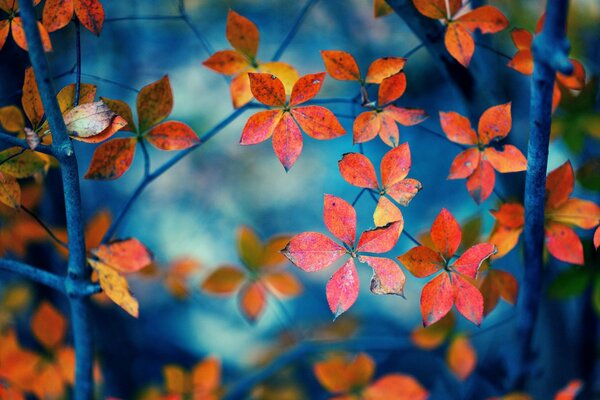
x: 4, y: 30
x: 154, y: 103
x: 563, y: 243
x: 498, y: 284
x: 481, y: 184
x: 405, y: 116
x: 318, y: 122
x: 494, y: 123
x: 395, y: 165
x: 387, y: 277
x: 379, y: 240
x: 522, y: 62
x: 559, y: 185
x: 469, y: 301
x: 340, y: 65
x: 522, y: 38
x: 366, y: 126
x: 111, y: 159
x: 172, y: 135
x: 358, y: 170
x: 510, y: 215
x: 510, y: 159
x: 458, y: 128
x: 306, y: 88
x: 312, y: 251
x: 391, y: 88
x: 597, y: 238
x: 469, y: 262
x: 267, y: 89
x: 460, y: 43
x: 342, y: 289
x: 340, y: 219
x: 126, y: 256
x: 383, y: 68
x: 242, y: 34
x: 446, y: 234
x: 437, y: 299
x: 287, y: 141
x: 260, y: 127
x: 487, y: 19
x: 91, y: 15
x: 252, y: 300
x: 422, y: 261
x: 585, y: 214
x: 397, y: 387
x: 575, y: 81
x: 57, y: 14
x: 465, y: 164
x: 226, y: 62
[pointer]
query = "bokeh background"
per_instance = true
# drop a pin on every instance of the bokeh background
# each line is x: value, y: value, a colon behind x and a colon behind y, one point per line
x: 196, y: 208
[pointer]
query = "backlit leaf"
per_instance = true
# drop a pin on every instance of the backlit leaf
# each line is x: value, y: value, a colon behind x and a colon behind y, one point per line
x: 252, y: 299
x: 31, y: 100
x: 460, y: 43
x: 154, y: 103
x: 267, y: 89
x: 381, y: 239
x: 111, y: 159
x: 260, y: 127
x: 126, y: 256
x: 421, y: 261
x: 287, y: 141
x: 446, y: 234
x: 488, y: 19
x: 358, y: 170
x: 306, y: 88
x: 563, y: 243
x: 340, y: 65
x: 10, y: 191
x: 172, y: 135
x: 91, y: 15
x: 312, y: 251
x: 495, y: 123
x: 57, y: 14
x: 318, y: 122
x: 437, y: 299
x: 481, y: 184
x: 458, y: 128
x: 342, y: 288
x: 509, y: 159
x: 387, y: 277
x: 468, y: 300
x: 116, y: 288
x: 384, y: 68
x: 340, y: 219
x: 242, y: 34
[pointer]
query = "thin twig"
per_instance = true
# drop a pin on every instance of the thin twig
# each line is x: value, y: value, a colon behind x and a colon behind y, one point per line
x: 294, y: 29
x: 411, y: 238
x: 46, y: 227
x: 358, y: 196
x: 13, y: 156
x: 493, y: 50
x: 146, y: 158
x: 78, y: 61
x: 144, y: 18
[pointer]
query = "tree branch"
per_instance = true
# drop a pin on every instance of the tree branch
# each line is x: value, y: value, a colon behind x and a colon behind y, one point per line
x: 15, y: 141
x: 292, y: 32
x: 78, y: 274
x: 35, y: 274
x: 550, y: 50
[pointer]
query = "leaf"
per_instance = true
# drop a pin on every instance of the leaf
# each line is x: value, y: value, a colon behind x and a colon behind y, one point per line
x: 395, y: 386
x: 116, y: 288
x: 206, y: 376
x: 287, y: 141
x: 340, y: 65
x: 318, y: 122
x: 570, y: 282
x: 226, y: 62
x: 404, y: 191
x: 460, y: 43
x: 21, y: 164
x: 242, y: 34
x: 498, y: 284
x: 389, y: 133
x: 271, y: 255
x: 597, y: 238
x: 91, y: 15
x: 563, y: 243
x: 252, y: 300
x: 250, y: 247
x: 18, y: 34
x: 4, y: 31
x: 509, y: 159
x: 391, y: 88
x: 422, y: 261
x: 446, y: 234
x: 437, y: 9
x: 111, y: 159
x: 31, y: 100
x: 495, y: 123
x: 11, y: 119
x: 434, y: 335
x: 123, y: 110
x: 358, y: 170
x: 465, y: 164
x: 126, y: 255
x: 505, y: 239
x: 437, y: 299
x: 340, y: 219
x: 582, y: 213
x: 10, y: 191
x: 405, y: 116
x: 461, y: 357
x: 510, y: 215
x: 312, y: 251
x: 57, y: 14
x: 283, y: 71
x: 488, y: 19
x: 342, y: 288
x: 559, y: 185
x: 366, y: 126
x: 469, y: 262
x: 395, y: 165
x: 306, y: 88
x: 154, y: 103
x: 96, y: 228
x: 468, y: 300
x: 481, y: 184
x: 223, y: 280
x: 458, y: 128
x: 48, y: 325
x: 387, y: 277
x: 575, y: 81
x: 86, y: 120
x: 283, y: 284
x: 383, y: 68
x: 260, y: 127
x: 379, y: 240
x: 267, y: 89
x: 172, y: 135
x: 386, y: 212
x: 381, y: 8
x: 338, y: 374
x: 570, y: 391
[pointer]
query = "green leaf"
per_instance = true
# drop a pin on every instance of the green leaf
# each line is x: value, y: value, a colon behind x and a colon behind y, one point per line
x: 569, y: 283
x: 22, y: 165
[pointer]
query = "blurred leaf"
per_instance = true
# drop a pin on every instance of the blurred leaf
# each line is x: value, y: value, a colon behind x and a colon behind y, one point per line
x: 570, y: 283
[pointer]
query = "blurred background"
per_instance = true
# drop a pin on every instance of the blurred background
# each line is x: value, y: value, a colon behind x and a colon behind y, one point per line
x: 195, y: 210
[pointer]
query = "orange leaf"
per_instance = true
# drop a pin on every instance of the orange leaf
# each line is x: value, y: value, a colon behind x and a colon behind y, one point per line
x: 358, y: 170
x: 563, y: 243
x: 460, y: 43
x: 522, y: 38
x: 260, y: 127
x: 250, y: 247
x: 458, y: 128
x: 559, y: 185
x: 123, y: 110
x: 267, y: 89
x: 11, y: 118
x: 318, y: 122
x: 19, y: 35
x: 283, y: 284
x: 383, y: 68
x: 495, y: 285
x: 597, y: 238
x: 48, y: 325
x: 509, y: 159
x: 342, y: 288
x: 340, y: 219
x: 57, y: 14
x: 386, y: 212
x: 387, y: 277
x: 206, y: 376
x: 570, y: 391
x: 223, y: 280
x: 172, y: 135
x: 422, y: 261
x: 126, y: 256
x: 481, y: 184
x: 437, y: 299
x: 31, y: 100
x: 446, y: 234
x: 154, y: 103
x: 306, y: 88
x: 4, y: 30
x: 10, y: 191
x: 111, y: 159
x: 505, y: 239
x: 461, y: 357
x: 227, y: 62
x: 287, y: 141
x: 340, y: 65
x: 272, y: 255
x: 437, y: 9
x: 585, y: 214
x: 391, y: 88
x: 65, y: 360
x: 176, y: 380
x: 252, y: 299
x: 116, y: 287
x: 434, y: 335
x: 488, y: 19
x: 494, y: 123
x: 283, y: 71
x: 96, y: 227
x: 405, y: 116
x: 465, y: 164
x: 240, y: 90
x: 242, y: 34
x: 397, y: 387
x: 575, y: 81
x: 522, y: 62
x: 381, y: 8
x: 510, y: 215
x: 91, y: 15
x: 366, y: 126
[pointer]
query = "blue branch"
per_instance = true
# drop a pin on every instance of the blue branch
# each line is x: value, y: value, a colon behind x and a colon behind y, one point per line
x: 35, y: 274
x: 78, y: 274
x: 550, y: 50
x: 295, y: 26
